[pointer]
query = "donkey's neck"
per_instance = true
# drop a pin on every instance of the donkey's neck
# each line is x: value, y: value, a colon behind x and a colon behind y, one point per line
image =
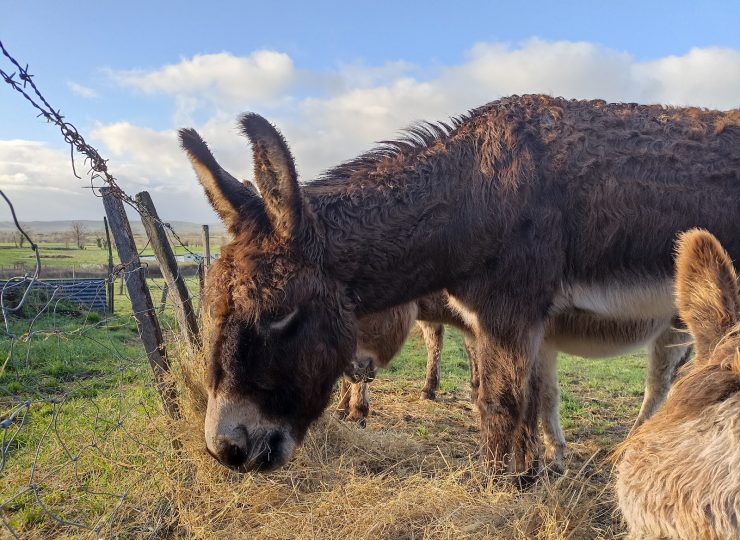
x: 394, y: 237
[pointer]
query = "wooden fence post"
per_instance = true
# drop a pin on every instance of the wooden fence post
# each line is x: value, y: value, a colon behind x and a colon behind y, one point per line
x: 111, y: 279
x: 163, y: 301
x: 206, y: 249
x: 141, y: 300
x: 168, y: 264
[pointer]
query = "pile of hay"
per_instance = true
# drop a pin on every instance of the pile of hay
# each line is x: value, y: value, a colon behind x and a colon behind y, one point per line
x: 394, y: 479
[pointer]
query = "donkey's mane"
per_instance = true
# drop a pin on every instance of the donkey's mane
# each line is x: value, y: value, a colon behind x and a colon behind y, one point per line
x: 412, y: 141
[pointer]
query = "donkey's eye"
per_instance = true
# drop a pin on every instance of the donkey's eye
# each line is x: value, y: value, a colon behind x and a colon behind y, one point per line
x: 285, y: 324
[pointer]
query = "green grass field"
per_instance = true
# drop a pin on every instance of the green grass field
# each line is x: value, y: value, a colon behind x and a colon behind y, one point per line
x: 93, y: 452
x: 59, y: 255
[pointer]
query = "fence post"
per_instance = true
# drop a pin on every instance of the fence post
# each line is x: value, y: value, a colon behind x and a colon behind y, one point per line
x: 141, y: 300
x: 163, y: 301
x: 168, y: 264
x: 206, y: 249
x: 111, y: 279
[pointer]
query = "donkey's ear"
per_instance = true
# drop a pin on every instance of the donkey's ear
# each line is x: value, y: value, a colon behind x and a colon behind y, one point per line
x: 226, y: 194
x: 707, y: 289
x: 274, y: 172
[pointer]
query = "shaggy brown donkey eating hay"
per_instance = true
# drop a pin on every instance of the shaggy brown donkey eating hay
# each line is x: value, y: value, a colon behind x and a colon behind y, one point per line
x: 524, y: 208
x: 679, y: 473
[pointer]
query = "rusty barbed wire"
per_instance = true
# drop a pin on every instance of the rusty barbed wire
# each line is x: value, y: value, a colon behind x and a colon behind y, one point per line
x: 71, y: 135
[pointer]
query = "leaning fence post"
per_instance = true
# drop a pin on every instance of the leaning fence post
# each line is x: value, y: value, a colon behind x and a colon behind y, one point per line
x: 141, y: 300
x: 168, y: 264
x: 111, y: 278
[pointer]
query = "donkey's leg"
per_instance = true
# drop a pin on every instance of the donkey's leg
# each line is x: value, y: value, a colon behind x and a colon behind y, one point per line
x: 508, y: 407
x: 669, y: 351
x: 526, y: 441
x: 359, y: 403
x: 344, y: 394
x: 470, y: 350
x: 550, y: 408
x: 433, y: 339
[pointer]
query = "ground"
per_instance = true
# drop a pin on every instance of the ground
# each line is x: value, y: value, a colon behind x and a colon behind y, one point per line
x: 89, y: 451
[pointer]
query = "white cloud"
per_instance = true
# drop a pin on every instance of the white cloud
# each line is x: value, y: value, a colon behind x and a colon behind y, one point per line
x: 39, y: 182
x: 708, y: 77
x: 331, y: 116
x: 261, y: 76
x: 82, y: 91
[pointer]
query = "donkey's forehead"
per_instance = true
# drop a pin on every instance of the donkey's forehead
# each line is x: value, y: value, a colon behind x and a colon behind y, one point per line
x: 253, y: 283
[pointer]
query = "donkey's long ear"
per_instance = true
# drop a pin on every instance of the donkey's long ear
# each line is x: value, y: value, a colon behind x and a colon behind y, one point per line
x: 226, y: 194
x: 707, y: 289
x: 274, y: 172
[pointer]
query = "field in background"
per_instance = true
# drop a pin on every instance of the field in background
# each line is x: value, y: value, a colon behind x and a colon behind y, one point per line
x: 93, y: 454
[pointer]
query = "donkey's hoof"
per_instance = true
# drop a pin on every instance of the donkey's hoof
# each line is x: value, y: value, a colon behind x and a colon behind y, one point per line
x: 361, y: 422
x: 526, y: 480
x: 428, y: 394
x: 555, y: 470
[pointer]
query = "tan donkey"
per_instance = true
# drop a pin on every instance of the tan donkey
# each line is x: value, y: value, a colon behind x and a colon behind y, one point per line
x: 678, y: 475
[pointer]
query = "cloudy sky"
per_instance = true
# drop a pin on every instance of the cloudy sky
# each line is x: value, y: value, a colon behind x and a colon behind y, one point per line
x: 334, y: 78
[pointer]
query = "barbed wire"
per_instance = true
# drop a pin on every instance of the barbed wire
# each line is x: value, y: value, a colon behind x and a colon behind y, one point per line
x: 98, y: 165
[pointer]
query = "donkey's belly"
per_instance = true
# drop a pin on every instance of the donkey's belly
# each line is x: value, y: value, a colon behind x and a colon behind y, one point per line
x: 584, y: 334
x: 638, y: 300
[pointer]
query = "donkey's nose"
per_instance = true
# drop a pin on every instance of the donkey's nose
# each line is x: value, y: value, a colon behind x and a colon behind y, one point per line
x: 232, y: 450
x: 233, y: 455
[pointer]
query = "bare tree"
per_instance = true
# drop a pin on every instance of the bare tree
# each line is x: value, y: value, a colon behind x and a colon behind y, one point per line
x: 79, y: 234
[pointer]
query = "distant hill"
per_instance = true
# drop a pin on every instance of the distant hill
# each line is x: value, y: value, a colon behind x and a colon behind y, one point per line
x: 185, y: 228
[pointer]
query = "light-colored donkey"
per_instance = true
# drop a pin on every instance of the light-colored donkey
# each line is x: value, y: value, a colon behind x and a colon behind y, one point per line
x: 381, y: 336
x: 678, y: 475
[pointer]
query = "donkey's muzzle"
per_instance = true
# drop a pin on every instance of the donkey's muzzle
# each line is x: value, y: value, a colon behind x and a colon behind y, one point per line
x: 361, y: 369
x: 242, y: 452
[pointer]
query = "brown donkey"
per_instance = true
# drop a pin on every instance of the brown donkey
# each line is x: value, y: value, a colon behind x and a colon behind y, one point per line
x: 524, y: 208
x: 679, y: 474
x: 381, y: 335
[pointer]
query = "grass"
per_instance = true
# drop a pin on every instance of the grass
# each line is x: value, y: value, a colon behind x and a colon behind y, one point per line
x: 94, y: 455
x: 65, y: 256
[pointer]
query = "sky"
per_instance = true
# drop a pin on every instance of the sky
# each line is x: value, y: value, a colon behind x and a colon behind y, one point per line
x: 335, y: 77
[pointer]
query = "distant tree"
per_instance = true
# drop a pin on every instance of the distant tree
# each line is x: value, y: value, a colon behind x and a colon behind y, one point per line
x: 79, y: 234
x: 99, y: 242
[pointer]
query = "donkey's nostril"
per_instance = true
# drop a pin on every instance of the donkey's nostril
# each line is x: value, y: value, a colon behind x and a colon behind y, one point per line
x: 272, y: 455
x: 233, y: 455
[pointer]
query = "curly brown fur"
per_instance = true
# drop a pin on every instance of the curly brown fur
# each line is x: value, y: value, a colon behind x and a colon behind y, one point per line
x: 507, y: 208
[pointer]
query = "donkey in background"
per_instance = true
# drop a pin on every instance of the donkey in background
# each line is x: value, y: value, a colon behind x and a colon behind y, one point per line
x: 381, y: 336
x: 678, y: 475
x: 525, y: 208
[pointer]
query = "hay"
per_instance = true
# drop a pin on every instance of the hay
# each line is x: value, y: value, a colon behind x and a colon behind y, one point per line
x: 391, y: 480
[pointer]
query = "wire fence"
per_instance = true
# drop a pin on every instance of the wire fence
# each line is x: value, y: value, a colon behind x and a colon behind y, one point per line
x: 84, y: 445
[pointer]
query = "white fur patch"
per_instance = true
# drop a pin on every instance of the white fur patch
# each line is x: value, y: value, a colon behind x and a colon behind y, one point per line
x: 646, y: 300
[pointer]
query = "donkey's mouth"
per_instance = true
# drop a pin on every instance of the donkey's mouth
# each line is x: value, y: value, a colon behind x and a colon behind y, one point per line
x: 268, y: 453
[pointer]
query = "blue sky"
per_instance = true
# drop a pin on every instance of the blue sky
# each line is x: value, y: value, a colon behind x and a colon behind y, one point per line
x: 335, y: 76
